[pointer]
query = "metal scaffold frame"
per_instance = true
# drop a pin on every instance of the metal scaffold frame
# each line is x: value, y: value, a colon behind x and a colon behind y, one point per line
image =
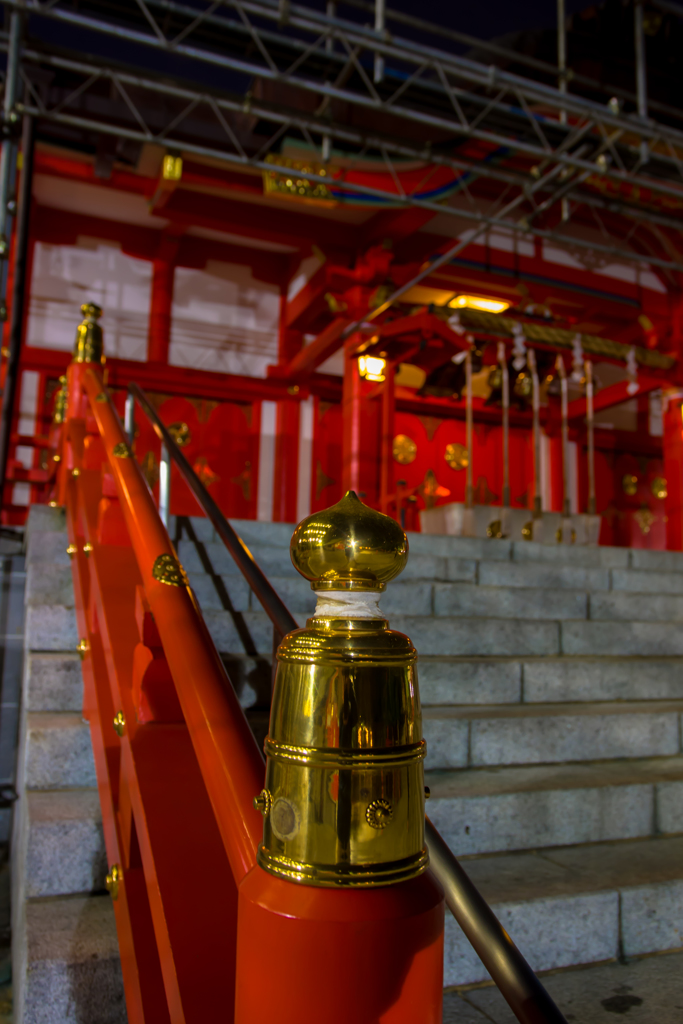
x: 558, y: 142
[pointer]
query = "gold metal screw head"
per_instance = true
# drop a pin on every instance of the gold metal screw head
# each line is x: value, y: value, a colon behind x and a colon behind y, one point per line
x: 72, y: 550
x: 349, y: 546
x: 112, y: 881
x: 83, y: 648
x: 379, y: 813
x: 263, y: 802
x: 87, y: 548
x: 119, y: 723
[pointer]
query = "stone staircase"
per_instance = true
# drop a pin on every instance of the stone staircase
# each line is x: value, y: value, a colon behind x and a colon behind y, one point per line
x: 65, y: 957
x: 552, y: 688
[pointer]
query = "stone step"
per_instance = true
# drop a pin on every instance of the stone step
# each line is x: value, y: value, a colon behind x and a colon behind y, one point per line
x: 486, y: 810
x: 621, y: 606
x: 67, y: 968
x: 517, y: 734
x: 467, y: 599
x: 58, y: 751
x: 50, y: 628
x: 577, y: 905
x: 53, y: 682
x: 644, y: 639
x: 539, y: 680
x: 645, y: 582
x: 65, y: 851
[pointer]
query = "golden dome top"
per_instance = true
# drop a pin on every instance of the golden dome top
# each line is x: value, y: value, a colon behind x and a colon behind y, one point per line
x: 89, y: 344
x: 349, y: 546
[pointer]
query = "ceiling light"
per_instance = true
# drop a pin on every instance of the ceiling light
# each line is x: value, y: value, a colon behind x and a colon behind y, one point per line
x: 479, y: 302
x: 372, y: 368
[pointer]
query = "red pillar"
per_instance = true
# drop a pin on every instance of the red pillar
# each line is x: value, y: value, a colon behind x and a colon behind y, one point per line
x: 673, y: 469
x: 286, y: 474
x: 360, y: 431
x: 386, y: 489
x: 159, y: 336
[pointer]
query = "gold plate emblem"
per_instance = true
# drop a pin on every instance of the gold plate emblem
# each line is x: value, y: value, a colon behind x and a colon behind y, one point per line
x: 121, y: 451
x: 456, y: 456
x: 658, y: 487
x: 404, y: 449
x: 379, y: 813
x: 168, y: 569
x: 181, y: 434
x: 629, y: 484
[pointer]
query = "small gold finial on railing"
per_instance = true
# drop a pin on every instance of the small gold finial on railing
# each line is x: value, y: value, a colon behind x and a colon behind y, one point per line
x: 89, y: 346
x: 349, y: 547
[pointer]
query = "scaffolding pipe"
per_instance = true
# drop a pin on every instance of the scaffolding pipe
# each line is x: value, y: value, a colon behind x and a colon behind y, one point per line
x: 469, y: 489
x: 536, y: 407
x: 502, y: 359
x: 590, y: 421
x: 379, y: 27
x: 641, y: 73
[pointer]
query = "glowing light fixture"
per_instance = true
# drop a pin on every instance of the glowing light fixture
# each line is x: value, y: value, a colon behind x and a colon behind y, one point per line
x: 479, y: 302
x: 372, y: 368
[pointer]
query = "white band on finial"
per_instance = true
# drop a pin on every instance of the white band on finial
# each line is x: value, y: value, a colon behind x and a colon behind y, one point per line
x: 348, y: 604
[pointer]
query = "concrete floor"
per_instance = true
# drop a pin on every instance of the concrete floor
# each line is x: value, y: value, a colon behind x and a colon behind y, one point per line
x: 648, y: 990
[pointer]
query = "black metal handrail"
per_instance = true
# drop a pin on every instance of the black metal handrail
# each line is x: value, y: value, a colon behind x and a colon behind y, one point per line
x: 519, y: 986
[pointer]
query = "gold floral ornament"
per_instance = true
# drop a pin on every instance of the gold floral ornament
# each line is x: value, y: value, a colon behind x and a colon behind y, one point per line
x: 204, y: 471
x: 121, y: 451
x: 379, y: 813
x: 457, y: 456
x: 645, y: 519
x: 404, y: 450
x: 167, y: 569
x: 431, y: 490
x: 181, y: 434
x: 658, y: 487
x: 629, y: 484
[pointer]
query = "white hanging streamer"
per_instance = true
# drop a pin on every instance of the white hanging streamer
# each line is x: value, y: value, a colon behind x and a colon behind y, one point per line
x: 577, y: 360
x: 518, y: 347
x: 455, y: 325
x: 632, y: 370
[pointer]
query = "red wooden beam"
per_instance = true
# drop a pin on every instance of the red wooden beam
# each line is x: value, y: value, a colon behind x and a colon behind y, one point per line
x: 615, y: 394
x: 317, y: 352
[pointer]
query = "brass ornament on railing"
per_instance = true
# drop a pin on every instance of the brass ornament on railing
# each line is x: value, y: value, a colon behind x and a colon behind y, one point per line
x: 61, y: 399
x: 343, y: 803
x: 122, y: 451
x: 102, y: 397
x: 113, y: 880
x: 167, y: 569
x: 89, y: 346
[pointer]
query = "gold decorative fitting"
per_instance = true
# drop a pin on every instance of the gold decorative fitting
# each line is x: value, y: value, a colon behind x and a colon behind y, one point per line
x: 89, y: 346
x: 83, y: 648
x: 456, y: 456
x: 263, y: 802
x: 345, y: 754
x: 349, y: 547
x: 428, y: 792
x: 379, y: 813
x: 75, y: 471
x: 61, y: 398
x: 112, y: 881
x: 284, y: 181
x: 102, y: 397
x: 168, y: 569
x: 528, y: 531
x: 87, y: 548
x: 404, y: 450
x: 180, y: 432
x: 72, y: 550
x: 121, y: 451
x: 172, y: 168
x: 658, y: 487
x: 119, y: 723
x: 629, y: 484
x: 52, y: 504
x: 56, y: 458
x: 495, y: 529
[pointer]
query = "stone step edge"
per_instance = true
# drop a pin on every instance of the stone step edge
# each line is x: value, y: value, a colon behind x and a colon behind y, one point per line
x: 467, y: 712
x: 475, y: 783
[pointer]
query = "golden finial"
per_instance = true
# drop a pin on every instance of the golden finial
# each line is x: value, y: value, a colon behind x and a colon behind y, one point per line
x: 89, y: 344
x: 349, y: 546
